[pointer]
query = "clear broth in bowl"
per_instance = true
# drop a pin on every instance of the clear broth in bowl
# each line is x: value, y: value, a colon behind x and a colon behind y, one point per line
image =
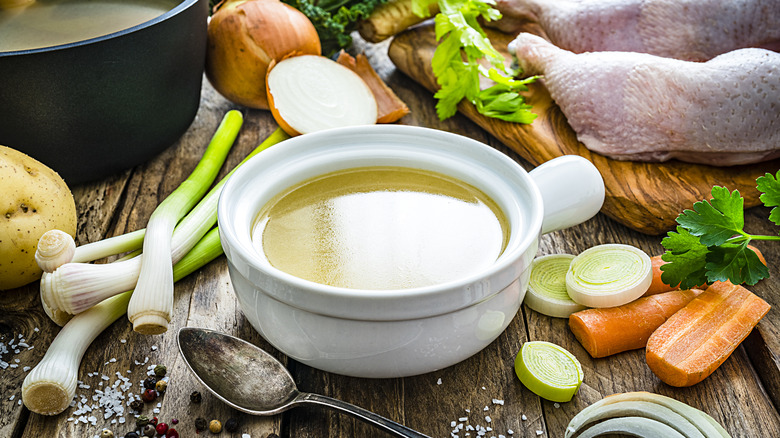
x: 46, y: 23
x: 381, y: 228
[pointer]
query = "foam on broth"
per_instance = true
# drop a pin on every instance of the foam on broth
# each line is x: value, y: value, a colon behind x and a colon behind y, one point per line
x: 47, y: 23
x: 381, y: 228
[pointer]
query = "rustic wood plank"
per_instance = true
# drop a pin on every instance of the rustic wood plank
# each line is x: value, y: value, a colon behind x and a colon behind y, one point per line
x: 740, y: 394
x: 644, y: 196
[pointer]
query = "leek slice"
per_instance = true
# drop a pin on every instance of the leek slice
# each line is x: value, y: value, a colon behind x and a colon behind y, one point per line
x: 548, y: 370
x: 547, y: 288
x: 609, y: 275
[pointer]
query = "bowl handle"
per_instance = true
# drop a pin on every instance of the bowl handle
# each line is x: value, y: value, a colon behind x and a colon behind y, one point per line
x: 572, y: 190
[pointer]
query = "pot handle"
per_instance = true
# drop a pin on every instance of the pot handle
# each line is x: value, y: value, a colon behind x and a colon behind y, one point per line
x: 572, y: 190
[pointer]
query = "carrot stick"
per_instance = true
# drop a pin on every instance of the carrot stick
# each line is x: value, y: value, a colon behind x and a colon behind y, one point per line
x: 658, y: 286
x: 390, y: 108
x: 693, y: 343
x: 612, y: 330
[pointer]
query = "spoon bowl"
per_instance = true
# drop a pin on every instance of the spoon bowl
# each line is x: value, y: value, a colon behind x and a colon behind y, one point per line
x: 251, y: 380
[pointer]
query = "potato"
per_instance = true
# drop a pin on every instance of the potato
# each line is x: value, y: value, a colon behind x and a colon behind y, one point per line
x: 33, y: 199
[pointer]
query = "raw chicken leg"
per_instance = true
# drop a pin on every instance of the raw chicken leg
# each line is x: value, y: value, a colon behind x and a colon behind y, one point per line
x: 694, y: 30
x: 635, y: 106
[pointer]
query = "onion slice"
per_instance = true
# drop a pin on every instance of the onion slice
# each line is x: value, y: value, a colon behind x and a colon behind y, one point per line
x: 548, y: 370
x: 630, y: 409
x: 609, y: 275
x: 309, y: 93
x: 547, y: 287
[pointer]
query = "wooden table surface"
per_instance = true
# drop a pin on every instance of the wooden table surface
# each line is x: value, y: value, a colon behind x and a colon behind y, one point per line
x: 481, y: 391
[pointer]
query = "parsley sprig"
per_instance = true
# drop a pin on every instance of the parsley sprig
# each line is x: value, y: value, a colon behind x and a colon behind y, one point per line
x: 462, y: 44
x: 710, y: 243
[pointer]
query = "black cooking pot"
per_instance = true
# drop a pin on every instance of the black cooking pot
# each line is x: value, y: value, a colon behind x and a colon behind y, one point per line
x: 96, y: 107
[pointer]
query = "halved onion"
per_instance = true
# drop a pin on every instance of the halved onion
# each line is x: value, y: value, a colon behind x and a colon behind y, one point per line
x: 547, y: 287
x: 310, y: 93
x: 609, y: 275
x: 548, y: 370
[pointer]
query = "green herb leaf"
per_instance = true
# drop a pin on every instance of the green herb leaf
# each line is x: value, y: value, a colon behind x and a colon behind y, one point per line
x: 335, y: 19
x: 687, y: 259
x: 717, y: 220
x: 462, y: 44
x: 770, y: 187
x: 735, y: 263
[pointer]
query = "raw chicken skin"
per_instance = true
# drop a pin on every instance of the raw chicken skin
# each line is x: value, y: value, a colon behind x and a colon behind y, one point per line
x: 694, y: 30
x: 635, y: 106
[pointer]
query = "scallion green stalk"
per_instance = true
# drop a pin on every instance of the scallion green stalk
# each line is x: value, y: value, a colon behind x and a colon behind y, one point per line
x: 151, y: 306
x: 75, y: 287
x: 50, y: 386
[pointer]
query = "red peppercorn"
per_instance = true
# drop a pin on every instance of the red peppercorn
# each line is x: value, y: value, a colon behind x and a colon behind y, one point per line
x: 161, y: 428
x: 172, y: 433
x: 153, y: 421
x: 174, y: 421
x: 149, y: 395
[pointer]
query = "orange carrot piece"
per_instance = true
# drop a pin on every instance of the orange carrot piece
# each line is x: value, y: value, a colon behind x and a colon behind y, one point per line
x: 658, y: 286
x: 693, y: 343
x: 390, y: 108
x: 612, y: 330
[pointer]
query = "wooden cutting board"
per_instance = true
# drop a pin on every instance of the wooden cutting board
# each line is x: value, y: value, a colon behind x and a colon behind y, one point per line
x: 646, y: 197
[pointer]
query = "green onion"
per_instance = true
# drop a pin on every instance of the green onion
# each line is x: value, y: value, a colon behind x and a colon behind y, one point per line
x: 56, y: 247
x: 548, y: 370
x: 50, y: 386
x: 151, y: 306
x: 75, y: 287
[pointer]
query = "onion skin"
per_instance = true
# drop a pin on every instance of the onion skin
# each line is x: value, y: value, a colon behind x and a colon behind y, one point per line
x: 244, y: 37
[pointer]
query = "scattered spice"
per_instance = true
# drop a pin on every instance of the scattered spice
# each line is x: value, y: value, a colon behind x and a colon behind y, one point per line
x: 231, y: 425
x: 149, y: 395
x: 272, y: 435
x: 153, y: 421
x: 161, y: 428
x: 215, y: 426
x: 160, y: 370
x: 149, y: 430
x: 106, y: 433
x: 141, y: 421
x: 200, y: 424
x: 172, y: 433
x: 149, y: 382
x: 161, y: 386
x: 174, y: 421
x: 195, y: 397
x: 137, y: 405
x: 131, y: 435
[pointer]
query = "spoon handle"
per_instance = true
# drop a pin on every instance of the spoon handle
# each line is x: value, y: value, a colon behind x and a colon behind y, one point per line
x: 383, y: 423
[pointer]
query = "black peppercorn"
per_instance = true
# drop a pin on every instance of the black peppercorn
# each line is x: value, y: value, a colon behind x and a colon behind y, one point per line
x: 231, y: 425
x: 272, y: 435
x: 149, y: 382
x: 131, y: 435
x: 195, y: 397
x: 137, y: 405
x: 201, y: 424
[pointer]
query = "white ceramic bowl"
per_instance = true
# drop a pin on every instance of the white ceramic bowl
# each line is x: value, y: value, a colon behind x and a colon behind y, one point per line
x: 404, y: 332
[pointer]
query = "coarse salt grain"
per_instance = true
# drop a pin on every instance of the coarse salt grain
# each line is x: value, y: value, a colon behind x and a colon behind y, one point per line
x: 539, y: 432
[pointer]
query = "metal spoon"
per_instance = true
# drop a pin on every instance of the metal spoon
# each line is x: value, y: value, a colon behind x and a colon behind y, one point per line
x: 252, y: 381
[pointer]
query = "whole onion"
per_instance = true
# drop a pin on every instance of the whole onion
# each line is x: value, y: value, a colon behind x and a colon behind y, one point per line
x: 244, y: 36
